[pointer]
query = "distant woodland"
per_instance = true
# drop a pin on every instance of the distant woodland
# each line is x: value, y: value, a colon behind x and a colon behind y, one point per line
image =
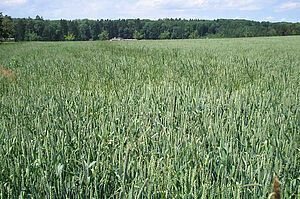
x: 38, y: 29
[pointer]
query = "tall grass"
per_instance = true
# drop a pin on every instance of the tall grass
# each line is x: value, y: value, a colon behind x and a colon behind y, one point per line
x: 150, y: 119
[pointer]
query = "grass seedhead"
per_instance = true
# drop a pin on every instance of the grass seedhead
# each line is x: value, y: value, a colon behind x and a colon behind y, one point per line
x: 276, y: 189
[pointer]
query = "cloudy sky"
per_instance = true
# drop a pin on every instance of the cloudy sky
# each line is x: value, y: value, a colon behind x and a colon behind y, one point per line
x: 261, y: 10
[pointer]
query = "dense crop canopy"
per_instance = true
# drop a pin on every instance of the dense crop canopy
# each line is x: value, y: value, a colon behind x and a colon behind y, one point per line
x: 150, y: 119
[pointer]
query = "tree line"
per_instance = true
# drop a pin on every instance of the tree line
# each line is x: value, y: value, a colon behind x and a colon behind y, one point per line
x: 38, y: 29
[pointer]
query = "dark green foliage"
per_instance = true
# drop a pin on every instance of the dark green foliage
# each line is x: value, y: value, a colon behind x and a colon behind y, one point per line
x: 1, y: 27
x: 69, y: 37
x: 64, y: 27
x: 194, y: 35
x: 84, y: 31
x: 20, y: 29
x: 138, y: 35
x: 103, y: 36
x: 47, y: 30
x: 165, y: 35
x: 6, y: 27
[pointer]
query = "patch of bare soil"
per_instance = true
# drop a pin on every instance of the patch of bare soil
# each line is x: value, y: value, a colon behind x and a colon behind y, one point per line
x: 6, y: 73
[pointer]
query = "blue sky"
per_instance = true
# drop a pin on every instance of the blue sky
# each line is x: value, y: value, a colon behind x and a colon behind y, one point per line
x: 260, y: 10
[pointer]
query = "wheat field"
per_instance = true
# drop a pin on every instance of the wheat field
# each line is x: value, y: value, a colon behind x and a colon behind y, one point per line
x: 206, y: 118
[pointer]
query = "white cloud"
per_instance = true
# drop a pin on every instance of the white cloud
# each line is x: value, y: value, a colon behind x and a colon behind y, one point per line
x: 193, y: 8
x: 199, y: 4
x: 268, y: 18
x: 11, y: 2
x: 283, y: 19
x: 251, y: 7
x: 153, y: 9
x: 78, y: 9
x: 236, y: 4
x: 289, y: 5
x: 169, y: 3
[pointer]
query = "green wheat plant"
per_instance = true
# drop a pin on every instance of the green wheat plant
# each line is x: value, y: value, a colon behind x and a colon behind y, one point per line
x: 213, y: 118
